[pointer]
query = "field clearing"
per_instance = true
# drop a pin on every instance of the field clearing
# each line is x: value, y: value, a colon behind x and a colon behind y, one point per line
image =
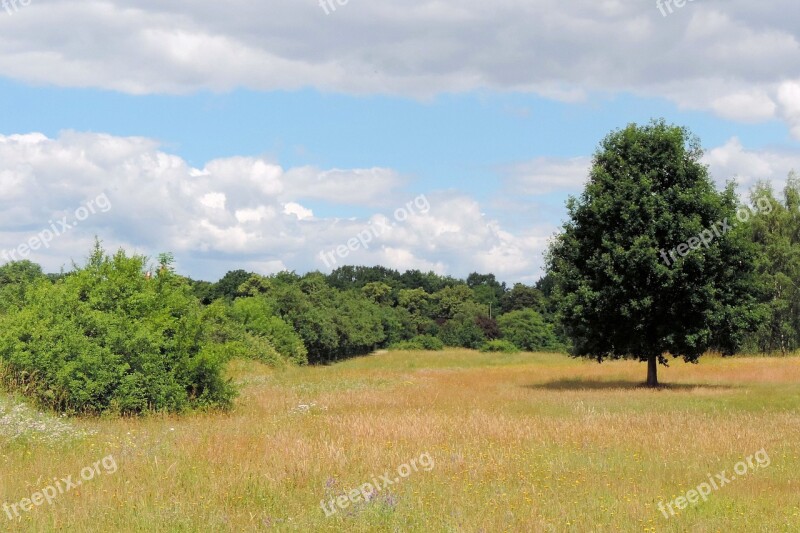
x: 527, y: 442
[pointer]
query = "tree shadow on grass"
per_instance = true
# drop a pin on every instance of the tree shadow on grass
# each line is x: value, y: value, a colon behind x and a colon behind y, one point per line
x: 584, y: 384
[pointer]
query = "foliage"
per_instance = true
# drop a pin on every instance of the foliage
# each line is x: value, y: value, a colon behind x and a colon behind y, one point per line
x: 332, y: 324
x: 15, y: 277
x: 527, y: 329
x: 245, y: 329
x: 418, y: 304
x: 420, y: 342
x: 228, y: 286
x: 203, y: 290
x: 356, y: 277
x: 649, y: 192
x: 358, y: 322
x: 462, y: 331
x: 255, y: 286
x: 522, y: 297
x: 776, y: 234
x: 378, y: 292
x: 489, y: 326
x: 429, y: 282
x: 258, y: 317
x: 487, y: 291
x: 108, y: 339
x: 499, y: 346
x: 398, y: 324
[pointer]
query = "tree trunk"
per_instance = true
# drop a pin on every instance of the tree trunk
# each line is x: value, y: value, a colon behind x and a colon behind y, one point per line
x: 652, y: 371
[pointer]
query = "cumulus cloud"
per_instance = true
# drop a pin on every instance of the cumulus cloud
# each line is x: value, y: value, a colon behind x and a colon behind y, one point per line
x: 548, y: 174
x: 746, y: 106
x: 297, y: 210
x: 733, y: 161
x: 789, y: 98
x: 250, y: 213
x: 729, y: 57
x: 236, y: 212
x: 350, y: 187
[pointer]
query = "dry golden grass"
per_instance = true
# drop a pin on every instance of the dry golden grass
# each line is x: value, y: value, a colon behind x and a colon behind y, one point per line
x: 529, y: 442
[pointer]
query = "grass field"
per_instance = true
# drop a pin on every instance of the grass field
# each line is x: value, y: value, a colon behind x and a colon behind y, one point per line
x: 528, y: 442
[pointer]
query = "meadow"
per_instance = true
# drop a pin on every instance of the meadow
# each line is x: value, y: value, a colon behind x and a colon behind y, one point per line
x: 518, y: 442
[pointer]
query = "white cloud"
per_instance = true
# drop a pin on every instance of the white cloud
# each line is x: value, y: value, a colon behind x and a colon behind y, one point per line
x: 297, y: 210
x: 547, y: 174
x: 730, y: 58
x: 213, y: 200
x: 258, y: 214
x: 351, y: 187
x: 745, y: 106
x: 733, y: 161
x: 400, y: 259
x: 249, y: 213
x: 237, y: 212
x: 789, y: 98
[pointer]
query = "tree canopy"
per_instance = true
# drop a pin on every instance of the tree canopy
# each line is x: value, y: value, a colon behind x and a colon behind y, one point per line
x: 648, y: 193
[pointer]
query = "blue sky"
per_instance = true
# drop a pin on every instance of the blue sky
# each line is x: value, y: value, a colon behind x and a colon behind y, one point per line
x: 259, y: 150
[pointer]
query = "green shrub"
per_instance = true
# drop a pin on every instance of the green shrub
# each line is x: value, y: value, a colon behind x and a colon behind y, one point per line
x: 107, y: 338
x: 429, y: 342
x: 462, y: 332
x: 500, y: 346
x: 258, y: 318
x: 420, y: 343
x: 333, y: 325
x: 14, y: 278
x: 528, y: 330
x: 398, y: 324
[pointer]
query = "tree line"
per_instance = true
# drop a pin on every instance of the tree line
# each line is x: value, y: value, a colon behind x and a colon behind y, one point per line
x: 124, y: 336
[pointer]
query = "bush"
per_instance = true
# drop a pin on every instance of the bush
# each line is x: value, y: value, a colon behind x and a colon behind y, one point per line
x: 528, y: 330
x: 398, y: 324
x: 420, y: 343
x: 429, y: 342
x: 259, y: 319
x: 14, y: 278
x: 462, y: 332
x: 489, y: 327
x: 333, y: 325
x: 500, y: 346
x: 108, y: 339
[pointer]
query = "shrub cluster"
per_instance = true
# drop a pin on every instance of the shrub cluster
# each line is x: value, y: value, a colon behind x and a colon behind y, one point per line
x: 499, y: 346
x: 111, y: 337
x: 420, y: 342
x: 106, y: 338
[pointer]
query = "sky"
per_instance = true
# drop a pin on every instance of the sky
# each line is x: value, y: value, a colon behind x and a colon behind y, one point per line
x: 308, y: 134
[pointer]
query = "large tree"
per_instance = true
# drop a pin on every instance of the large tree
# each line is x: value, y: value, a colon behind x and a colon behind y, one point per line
x: 522, y: 297
x: 776, y: 234
x: 632, y: 277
